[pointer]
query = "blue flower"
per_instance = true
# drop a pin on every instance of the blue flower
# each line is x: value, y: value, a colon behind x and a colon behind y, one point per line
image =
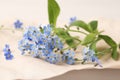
x: 32, y: 33
x: 49, y: 44
x: 57, y: 42
x: 37, y: 50
x: 95, y: 59
x: 89, y: 55
x: 41, y: 39
x: 41, y: 44
x: 68, y: 57
x: 7, y: 53
x: 47, y: 30
x: 70, y: 61
x: 72, y: 19
x: 18, y: 24
x: 69, y: 53
x: 53, y: 58
x: 24, y: 45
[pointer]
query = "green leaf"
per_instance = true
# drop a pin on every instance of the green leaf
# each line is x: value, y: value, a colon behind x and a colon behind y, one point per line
x: 53, y: 11
x: 70, y: 42
x: 64, y: 35
x: 109, y: 40
x: 93, y: 45
x: 88, y: 39
x: 61, y: 32
x: 111, y: 43
x: 82, y: 25
x: 115, y: 54
x: 93, y: 25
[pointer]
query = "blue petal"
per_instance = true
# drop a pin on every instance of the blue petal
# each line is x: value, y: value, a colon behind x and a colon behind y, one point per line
x: 70, y: 61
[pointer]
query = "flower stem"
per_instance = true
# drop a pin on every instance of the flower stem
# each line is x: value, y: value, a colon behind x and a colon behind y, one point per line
x: 77, y: 39
x: 77, y: 31
x: 1, y: 27
x: 104, y: 51
x: 76, y: 59
x: 65, y: 48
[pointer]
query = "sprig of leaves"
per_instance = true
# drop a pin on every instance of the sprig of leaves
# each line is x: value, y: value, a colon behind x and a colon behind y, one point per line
x: 53, y: 12
x: 91, y: 37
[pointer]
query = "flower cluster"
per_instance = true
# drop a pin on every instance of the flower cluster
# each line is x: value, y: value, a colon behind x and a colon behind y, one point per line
x: 69, y: 57
x: 7, y: 52
x: 89, y: 55
x: 43, y: 44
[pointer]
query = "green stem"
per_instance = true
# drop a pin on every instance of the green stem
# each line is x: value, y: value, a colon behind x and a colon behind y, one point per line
x: 7, y: 29
x: 77, y: 31
x: 104, y: 51
x: 1, y: 27
x: 70, y: 47
x: 66, y: 48
x: 100, y: 32
x: 76, y: 59
x: 119, y: 45
x: 76, y: 39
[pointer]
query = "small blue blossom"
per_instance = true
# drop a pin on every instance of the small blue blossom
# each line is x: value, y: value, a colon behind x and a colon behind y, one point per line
x: 47, y: 30
x: 68, y: 57
x: 57, y: 42
x: 69, y: 53
x: 53, y: 58
x: 41, y: 40
x: 31, y: 33
x: 95, y: 59
x: 18, y: 24
x: 72, y: 19
x: 37, y: 50
x: 70, y: 61
x: 7, y: 53
x: 89, y: 55
x: 24, y: 45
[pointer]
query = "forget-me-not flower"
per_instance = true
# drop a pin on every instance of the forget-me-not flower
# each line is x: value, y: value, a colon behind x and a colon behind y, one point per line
x: 70, y: 60
x: 18, y: 24
x: 89, y: 55
x: 24, y: 45
x: 53, y: 58
x: 47, y: 30
x: 68, y: 57
x: 7, y: 52
x: 72, y: 19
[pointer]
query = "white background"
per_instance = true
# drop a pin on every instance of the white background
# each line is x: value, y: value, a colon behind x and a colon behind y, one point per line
x: 35, y: 11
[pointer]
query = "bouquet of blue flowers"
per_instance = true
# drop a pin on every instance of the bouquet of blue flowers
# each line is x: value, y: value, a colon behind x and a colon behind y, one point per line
x: 56, y: 45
